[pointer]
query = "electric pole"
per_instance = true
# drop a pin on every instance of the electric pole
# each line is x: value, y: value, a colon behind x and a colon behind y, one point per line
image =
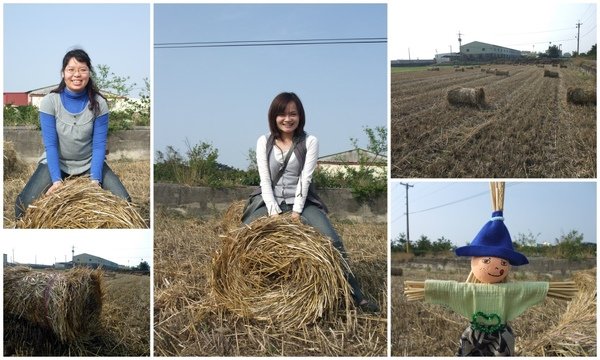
x: 578, y: 27
x: 407, y: 228
x: 459, y: 41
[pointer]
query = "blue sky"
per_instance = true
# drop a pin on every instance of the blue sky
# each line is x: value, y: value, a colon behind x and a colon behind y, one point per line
x: 548, y: 208
x: 427, y: 26
x: 37, y: 36
x: 221, y: 95
x: 125, y: 247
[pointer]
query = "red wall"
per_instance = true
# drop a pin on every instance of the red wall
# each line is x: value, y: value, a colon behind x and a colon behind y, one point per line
x: 16, y: 98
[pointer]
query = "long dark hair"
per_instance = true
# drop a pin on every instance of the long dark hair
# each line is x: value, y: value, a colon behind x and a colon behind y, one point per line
x: 91, y: 89
x: 278, y: 106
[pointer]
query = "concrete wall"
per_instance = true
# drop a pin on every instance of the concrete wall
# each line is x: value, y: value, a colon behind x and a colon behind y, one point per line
x: 131, y: 144
x: 207, y: 202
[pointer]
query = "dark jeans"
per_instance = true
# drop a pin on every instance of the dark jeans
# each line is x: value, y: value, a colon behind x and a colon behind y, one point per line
x: 40, y: 181
x: 315, y: 217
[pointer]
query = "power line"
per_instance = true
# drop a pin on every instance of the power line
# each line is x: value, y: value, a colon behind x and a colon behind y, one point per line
x: 279, y: 42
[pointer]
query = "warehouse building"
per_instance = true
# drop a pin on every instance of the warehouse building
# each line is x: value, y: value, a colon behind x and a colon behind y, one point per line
x: 483, y: 51
x: 93, y: 261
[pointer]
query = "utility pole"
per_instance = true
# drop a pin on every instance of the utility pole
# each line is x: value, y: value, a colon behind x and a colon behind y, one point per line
x: 408, y: 54
x: 578, y: 27
x: 459, y: 41
x: 407, y: 228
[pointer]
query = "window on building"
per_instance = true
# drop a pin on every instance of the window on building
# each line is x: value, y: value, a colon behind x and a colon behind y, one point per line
x: 482, y: 49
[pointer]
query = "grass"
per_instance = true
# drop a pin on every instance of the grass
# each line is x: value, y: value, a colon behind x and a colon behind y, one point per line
x: 186, y: 324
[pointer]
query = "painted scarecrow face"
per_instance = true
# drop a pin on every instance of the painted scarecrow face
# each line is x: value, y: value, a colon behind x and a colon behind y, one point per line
x: 489, y: 269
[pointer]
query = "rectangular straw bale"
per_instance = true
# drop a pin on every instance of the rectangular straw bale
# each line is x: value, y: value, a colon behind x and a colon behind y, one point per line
x: 551, y: 74
x: 502, y: 73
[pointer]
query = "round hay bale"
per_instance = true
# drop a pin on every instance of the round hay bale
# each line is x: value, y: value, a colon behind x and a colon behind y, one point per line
x: 11, y: 165
x: 232, y: 218
x: 579, y: 96
x: 550, y: 74
x: 396, y: 271
x: 281, y: 271
x: 502, y: 73
x: 467, y: 96
x: 68, y: 303
x: 81, y: 204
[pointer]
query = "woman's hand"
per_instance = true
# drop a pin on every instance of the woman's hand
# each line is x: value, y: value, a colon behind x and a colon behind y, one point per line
x: 96, y: 182
x: 295, y: 216
x: 55, y: 185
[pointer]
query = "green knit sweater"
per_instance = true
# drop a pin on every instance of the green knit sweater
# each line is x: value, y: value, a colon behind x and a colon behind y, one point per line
x: 507, y: 300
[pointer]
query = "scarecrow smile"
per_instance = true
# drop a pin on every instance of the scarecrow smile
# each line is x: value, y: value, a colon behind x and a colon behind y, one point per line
x: 501, y: 273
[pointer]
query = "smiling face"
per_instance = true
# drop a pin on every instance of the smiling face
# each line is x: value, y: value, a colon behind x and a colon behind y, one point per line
x: 287, y: 122
x: 489, y: 269
x: 76, y: 75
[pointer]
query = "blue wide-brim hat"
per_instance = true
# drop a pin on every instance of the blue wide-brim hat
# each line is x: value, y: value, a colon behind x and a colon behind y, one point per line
x: 494, y: 240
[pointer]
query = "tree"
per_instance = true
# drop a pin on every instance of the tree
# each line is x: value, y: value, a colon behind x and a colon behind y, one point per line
x: 553, y: 52
x: 422, y: 245
x: 399, y: 243
x: 569, y: 246
x: 365, y: 182
x: 442, y: 245
x: 592, y: 51
x: 143, y: 266
x: 108, y: 81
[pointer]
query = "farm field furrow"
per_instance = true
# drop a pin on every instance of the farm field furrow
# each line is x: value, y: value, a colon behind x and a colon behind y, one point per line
x: 525, y: 129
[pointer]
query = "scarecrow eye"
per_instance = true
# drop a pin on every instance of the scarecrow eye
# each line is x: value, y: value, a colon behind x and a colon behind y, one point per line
x: 504, y: 263
x: 486, y: 260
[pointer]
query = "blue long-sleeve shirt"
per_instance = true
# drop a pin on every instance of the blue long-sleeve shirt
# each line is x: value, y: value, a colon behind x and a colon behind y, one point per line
x: 73, y: 103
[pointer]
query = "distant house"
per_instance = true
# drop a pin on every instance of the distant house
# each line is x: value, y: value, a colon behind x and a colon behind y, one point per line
x: 34, y: 97
x: 340, y: 161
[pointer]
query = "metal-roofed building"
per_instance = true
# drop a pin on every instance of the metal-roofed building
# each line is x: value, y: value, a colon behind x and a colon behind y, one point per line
x: 88, y: 260
x: 485, y: 51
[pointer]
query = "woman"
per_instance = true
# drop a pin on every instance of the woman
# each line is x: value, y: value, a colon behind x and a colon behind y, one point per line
x: 286, y: 161
x: 74, y: 122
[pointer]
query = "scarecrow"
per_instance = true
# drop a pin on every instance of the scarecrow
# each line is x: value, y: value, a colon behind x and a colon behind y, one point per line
x: 486, y: 298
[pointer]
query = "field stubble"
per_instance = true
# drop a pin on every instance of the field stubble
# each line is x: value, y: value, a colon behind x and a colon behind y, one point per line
x: 527, y: 128
x: 185, y: 323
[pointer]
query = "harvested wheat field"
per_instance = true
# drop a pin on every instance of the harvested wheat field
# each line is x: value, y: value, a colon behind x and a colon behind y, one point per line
x: 527, y: 127
x: 102, y: 315
x: 198, y: 309
x: 135, y: 175
x: 553, y: 328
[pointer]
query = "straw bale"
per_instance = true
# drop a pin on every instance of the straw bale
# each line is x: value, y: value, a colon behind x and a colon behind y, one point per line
x: 551, y: 74
x: 280, y: 271
x: 68, y: 303
x: 11, y: 165
x: 460, y: 69
x: 232, y: 218
x: 396, y: 271
x: 81, y: 204
x: 490, y: 71
x: 502, y: 73
x: 467, y: 96
x: 563, y: 66
x: 580, y: 96
x: 575, y: 332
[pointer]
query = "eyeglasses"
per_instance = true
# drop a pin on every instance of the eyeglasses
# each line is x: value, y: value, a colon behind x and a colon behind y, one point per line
x: 82, y: 71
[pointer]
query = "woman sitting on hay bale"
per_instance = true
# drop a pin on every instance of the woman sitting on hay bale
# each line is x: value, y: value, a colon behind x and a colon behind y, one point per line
x: 286, y: 161
x: 74, y: 122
